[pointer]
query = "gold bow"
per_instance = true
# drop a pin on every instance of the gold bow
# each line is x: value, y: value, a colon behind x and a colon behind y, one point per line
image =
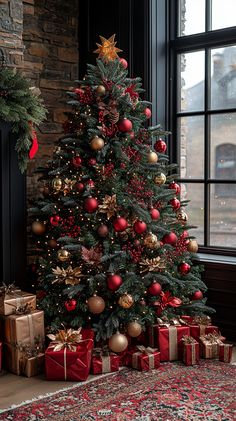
x: 212, y: 338
x: 102, y: 352
x: 69, y: 276
x: 67, y: 338
x: 8, y: 289
x: 23, y: 309
x: 201, y: 320
x: 147, y: 350
x: 168, y: 322
x: 188, y: 339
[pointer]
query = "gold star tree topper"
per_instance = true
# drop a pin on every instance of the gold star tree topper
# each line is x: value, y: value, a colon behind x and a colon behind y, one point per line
x: 107, y: 50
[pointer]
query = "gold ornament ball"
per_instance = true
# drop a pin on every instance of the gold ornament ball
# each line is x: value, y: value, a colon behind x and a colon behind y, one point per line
x: 182, y: 217
x: 52, y: 243
x: 101, y: 90
x: 97, y: 143
x: 38, y: 228
x: 96, y: 304
x: 126, y: 301
x: 152, y: 157
x: 193, y: 246
x: 151, y: 241
x: 63, y: 255
x: 160, y: 179
x: 134, y: 329
x: 118, y: 342
x: 57, y: 184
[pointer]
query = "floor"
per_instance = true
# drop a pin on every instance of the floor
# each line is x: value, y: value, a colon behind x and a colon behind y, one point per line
x: 15, y: 389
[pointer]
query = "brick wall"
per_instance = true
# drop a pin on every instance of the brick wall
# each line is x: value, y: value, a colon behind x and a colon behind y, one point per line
x: 11, y: 29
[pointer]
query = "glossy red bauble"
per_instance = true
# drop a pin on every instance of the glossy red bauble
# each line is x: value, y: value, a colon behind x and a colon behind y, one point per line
x: 140, y: 227
x: 76, y: 161
x: 160, y: 146
x: 155, y: 214
x: 125, y: 125
x: 184, y: 268
x: 90, y: 184
x: 103, y: 230
x: 170, y: 238
x: 154, y: 289
x: 174, y: 186
x: 54, y: 220
x: 70, y: 305
x: 175, y: 203
x: 198, y: 295
x: 114, y: 282
x: 79, y: 187
x: 148, y: 112
x: 123, y: 62
x: 120, y: 224
x: 90, y: 204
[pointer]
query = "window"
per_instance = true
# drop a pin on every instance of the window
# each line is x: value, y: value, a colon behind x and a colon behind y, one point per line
x: 203, y: 107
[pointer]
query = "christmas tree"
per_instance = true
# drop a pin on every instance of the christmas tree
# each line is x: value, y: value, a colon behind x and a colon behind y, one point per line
x: 110, y: 227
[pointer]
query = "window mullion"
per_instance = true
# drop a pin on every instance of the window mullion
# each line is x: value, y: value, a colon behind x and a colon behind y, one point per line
x: 208, y: 15
x: 207, y: 151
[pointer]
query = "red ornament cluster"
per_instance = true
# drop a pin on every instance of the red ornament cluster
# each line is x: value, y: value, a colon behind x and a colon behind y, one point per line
x: 85, y: 95
x: 69, y: 227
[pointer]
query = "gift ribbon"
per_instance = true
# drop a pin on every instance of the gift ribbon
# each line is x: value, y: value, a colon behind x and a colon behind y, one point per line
x: 201, y: 320
x: 227, y: 349
x: 65, y: 368
x: 173, y: 343
x: 188, y: 339
x: 31, y: 328
x: 67, y: 338
x: 147, y: 351
x: 106, y: 364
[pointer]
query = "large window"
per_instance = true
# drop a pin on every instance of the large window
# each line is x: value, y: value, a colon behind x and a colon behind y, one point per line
x: 203, y: 62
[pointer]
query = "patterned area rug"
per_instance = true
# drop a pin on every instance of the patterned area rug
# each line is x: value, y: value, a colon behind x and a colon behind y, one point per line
x: 173, y: 392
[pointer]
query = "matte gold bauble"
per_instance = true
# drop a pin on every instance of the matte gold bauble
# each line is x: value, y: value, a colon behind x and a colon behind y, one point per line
x: 52, y: 243
x: 118, y: 342
x: 182, y: 217
x: 96, y: 304
x: 57, y: 184
x: 63, y: 255
x: 193, y: 246
x: 134, y: 329
x: 126, y: 301
x: 97, y: 143
x: 152, y: 157
x: 160, y: 179
x: 101, y: 90
x: 38, y: 228
x: 151, y: 241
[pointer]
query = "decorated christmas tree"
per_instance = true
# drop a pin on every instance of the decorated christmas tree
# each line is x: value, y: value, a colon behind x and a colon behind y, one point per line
x: 110, y: 227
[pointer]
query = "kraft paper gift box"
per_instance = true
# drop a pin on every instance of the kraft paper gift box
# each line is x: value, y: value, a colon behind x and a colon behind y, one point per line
x: 144, y: 359
x: 11, y: 300
x: 209, y: 345
x: 190, y: 351
x: 168, y: 340
x: 225, y: 352
x: 24, y: 328
x: 17, y: 362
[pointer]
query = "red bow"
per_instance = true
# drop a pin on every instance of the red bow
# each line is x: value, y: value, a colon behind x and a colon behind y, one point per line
x: 167, y: 300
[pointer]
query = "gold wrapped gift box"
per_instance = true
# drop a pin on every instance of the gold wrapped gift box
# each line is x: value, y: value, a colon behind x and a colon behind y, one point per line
x: 10, y: 301
x: 19, y: 363
x: 24, y: 328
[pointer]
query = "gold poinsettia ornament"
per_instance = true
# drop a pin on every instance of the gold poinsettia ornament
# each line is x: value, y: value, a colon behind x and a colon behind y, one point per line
x: 67, y: 338
x: 108, y: 206
x: 68, y: 186
x: 152, y: 265
x: 68, y: 276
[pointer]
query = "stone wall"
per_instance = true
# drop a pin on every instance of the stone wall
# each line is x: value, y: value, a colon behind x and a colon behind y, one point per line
x: 11, y: 29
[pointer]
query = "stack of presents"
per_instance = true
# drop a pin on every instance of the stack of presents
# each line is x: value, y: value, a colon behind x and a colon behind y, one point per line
x: 71, y: 354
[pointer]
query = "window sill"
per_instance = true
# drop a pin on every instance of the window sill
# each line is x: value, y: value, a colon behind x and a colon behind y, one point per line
x: 216, y: 258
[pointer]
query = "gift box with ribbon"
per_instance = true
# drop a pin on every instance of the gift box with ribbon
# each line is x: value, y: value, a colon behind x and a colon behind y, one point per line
x: 104, y: 361
x: 190, y: 351
x: 24, y: 328
x: 12, y: 300
x: 68, y: 357
x: 199, y: 326
x: 225, y: 352
x: 24, y: 359
x: 144, y: 359
x: 209, y: 345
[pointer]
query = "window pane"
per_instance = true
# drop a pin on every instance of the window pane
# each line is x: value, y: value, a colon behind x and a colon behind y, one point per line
x: 191, y: 140
x: 191, y: 81
x: 191, y: 17
x: 223, y: 77
x: 223, y: 215
x: 223, y: 13
x: 223, y: 147
x: 195, y: 210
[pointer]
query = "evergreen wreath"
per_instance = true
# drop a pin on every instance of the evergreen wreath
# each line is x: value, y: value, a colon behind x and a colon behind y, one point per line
x: 20, y: 107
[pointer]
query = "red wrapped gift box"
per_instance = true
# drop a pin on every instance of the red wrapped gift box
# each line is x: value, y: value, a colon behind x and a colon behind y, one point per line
x: 104, y: 363
x: 225, y: 352
x: 168, y: 340
x: 190, y: 351
x: 200, y: 330
x: 144, y: 359
x: 67, y: 364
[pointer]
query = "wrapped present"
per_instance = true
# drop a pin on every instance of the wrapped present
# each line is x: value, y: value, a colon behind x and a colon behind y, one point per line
x: 13, y: 300
x: 68, y: 357
x: 26, y: 360
x: 104, y: 361
x: 209, y: 345
x: 25, y: 328
x: 190, y: 351
x: 199, y: 325
x: 168, y: 339
x: 144, y: 359
x: 225, y: 352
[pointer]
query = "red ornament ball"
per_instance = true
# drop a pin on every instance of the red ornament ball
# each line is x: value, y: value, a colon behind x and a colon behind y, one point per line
x: 76, y: 161
x: 140, y: 227
x: 198, y: 295
x: 160, y: 146
x: 132, y: 135
x: 123, y: 62
x: 120, y: 224
x: 184, y: 268
x: 154, y: 289
x: 155, y: 214
x: 90, y: 204
x: 174, y: 186
x: 90, y: 184
x: 79, y: 187
x: 125, y: 125
x: 92, y: 162
x: 114, y: 282
x: 170, y: 238
x: 70, y: 305
x: 148, y: 112
x: 103, y: 230
x: 175, y: 203
x: 54, y: 220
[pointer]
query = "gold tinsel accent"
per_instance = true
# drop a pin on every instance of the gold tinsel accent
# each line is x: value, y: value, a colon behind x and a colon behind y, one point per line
x: 152, y: 265
x: 109, y: 206
x: 68, y: 276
